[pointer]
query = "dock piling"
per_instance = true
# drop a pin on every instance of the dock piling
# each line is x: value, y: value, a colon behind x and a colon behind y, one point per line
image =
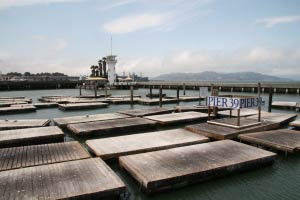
x: 160, y: 96
x: 178, y: 93
x: 259, y: 105
x: 270, y: 99
x: 150, y: 92
x: 131, y: 95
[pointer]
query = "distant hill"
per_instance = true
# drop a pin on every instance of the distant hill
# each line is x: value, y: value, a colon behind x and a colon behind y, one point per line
x: 222, y: 77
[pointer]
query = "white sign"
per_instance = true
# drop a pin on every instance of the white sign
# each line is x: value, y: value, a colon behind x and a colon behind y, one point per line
x: 203, y: 92
x: 234, y: 103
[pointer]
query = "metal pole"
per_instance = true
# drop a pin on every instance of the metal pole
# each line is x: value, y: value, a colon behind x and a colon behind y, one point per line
x: 160, y: 96
x: 259, y: 106
x: 150, y: 92
x: 270, y: 99
x: 131, y: 95
x: 238, y: 117
x: 95, y: 89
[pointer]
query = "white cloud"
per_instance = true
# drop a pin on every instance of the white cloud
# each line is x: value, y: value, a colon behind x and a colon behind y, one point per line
x: 270, y: 22
x: 136, y: 22
x: 39, y: 38
x: 165, y: 15
x: 4, y: 4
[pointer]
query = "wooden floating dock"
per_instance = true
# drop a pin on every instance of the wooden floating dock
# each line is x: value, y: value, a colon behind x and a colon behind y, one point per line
x: 196, y: 108
x: 245, y: 112
x: 295, y: 123
x: 62, y: 122
x: 146, y: 101
x: 282, y: 139
x: 173, y: 118
x: 45, y: 105
x: 280, y: 118
x: 21, y: 108
x: 27, y: 100
x: 122, y: 100
x: 146, y: 112
x: 80, y: 179
x: 178, y: 167
x: 30, y: 136
x: 23, y: 123
x: 187, y: 98
x: 26, y: 156
x: 155, y: 95
x: 114, y: 147
x: 218, y: 132
x: 115, y: 126
x: 284, y: 104
x: 18, y: 97
x: 79, y: 106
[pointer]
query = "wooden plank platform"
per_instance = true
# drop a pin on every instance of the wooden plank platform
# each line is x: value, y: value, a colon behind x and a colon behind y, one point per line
x: 26, y: 156
x: 80, y: 179
x: 62, y: 122
x: 178, y: 167
x: 20, y: 108
x: 284, y: 104
x: 80, y: 106
x: 295, y: 123
x: 146, y: 112
x: 46, y: 105
x: 282, y: 139
x: 115, y: 126
x: 122, y: 100
x: 281, y: 118
x: 183, y: 117
x: 23, y: 123
x: 17, y: 100
x: 146, y: 101
x: 114, y: 147
x: 243, y: 112
x: 227, y: 122
x: 187, y: 98
x: 218, y: 132
x: 29, y: 136
x: 17, y: 97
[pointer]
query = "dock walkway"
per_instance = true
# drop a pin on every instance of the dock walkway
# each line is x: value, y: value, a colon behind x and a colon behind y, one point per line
x: 80, y: 106
x: 23, y: 123
x: 282, y: 139
x: 114, y: 147
x: 80, y: 179
x: 173, y: 118
x: 29, y: 136
x: 26, y: 156
x: 178, y: 167
x: 146, y: 112
x: 116, y: 126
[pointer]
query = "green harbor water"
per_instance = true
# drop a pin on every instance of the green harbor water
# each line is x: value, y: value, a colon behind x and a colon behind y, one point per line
x: 279, y: 181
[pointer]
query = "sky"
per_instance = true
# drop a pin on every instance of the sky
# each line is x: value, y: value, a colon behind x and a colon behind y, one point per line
x: 151, y: 37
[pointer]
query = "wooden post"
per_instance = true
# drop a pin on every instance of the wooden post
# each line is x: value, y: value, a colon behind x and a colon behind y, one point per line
x: 150, y: 92
x: 238, y: 117
x: 79, y: 90
x: 270, y: 99
x: 95, y: 89
x: 208, y: 110
x: 178, y: 93
x: 131, y: 94
x: 105, y: 88
x: 160, y: 96
x: 199, y: 96
x: 259, y: 106
x: 230, y: 113
x: 184, y: 89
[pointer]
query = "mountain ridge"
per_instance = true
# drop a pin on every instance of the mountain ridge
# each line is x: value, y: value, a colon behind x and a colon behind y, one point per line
x: 224, y: 77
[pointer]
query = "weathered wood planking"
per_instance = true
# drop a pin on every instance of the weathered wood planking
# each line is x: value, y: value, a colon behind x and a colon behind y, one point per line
x: 16, y: 100
x: 9, y: 103
x: 232, y: 123
x: 23, y: 123
x: 87, y: 118
x: 245, y: 112
x: 26, y: 156
x: 18, y: 97
x: 145, y: 101
x: 121, y: 100
x: 196, y: 108
x: 178, y: 167
x: 146, y: 112
x: 187, y: 98
x: 281, y: 118
x: 218, y: 132
x: 20, y: 108
x: 116, y: 126
x: 166, y: 119
x: 284, y: 104
x: 29, y: 136
x: 295, y: 123
x: 114, y: 147
x: 80, y: 179
x: 79, y: 106
x: 282, y: 139
x: 46, y: 105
